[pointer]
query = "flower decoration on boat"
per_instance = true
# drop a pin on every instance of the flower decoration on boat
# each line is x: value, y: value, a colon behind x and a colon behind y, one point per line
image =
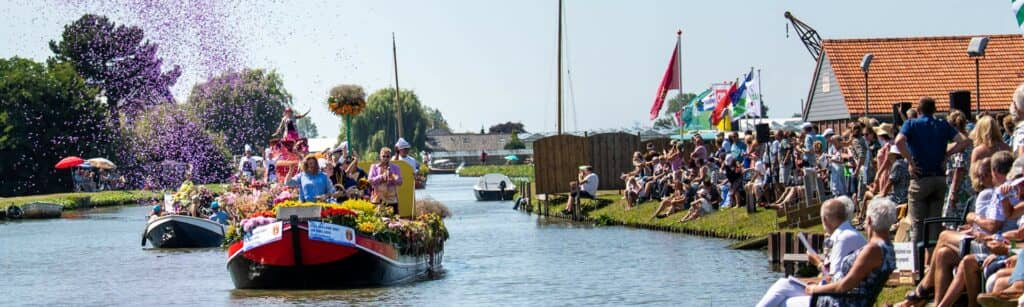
x: 347, y: 100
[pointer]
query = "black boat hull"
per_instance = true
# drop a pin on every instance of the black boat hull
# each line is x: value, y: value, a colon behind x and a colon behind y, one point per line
x: 491, y: 195
x: 184, y: 232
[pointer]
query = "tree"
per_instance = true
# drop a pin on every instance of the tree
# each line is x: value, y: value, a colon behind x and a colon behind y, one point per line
x: 505, y: 128
x: 376, y: 127
x: 514, y: 142
x: 306, y: 127
x: 245, y: 106
x: 667, y: 119
x: 436, y: 119
x: 118, y: 60
x: 47, y: 112
x: 169, y: 135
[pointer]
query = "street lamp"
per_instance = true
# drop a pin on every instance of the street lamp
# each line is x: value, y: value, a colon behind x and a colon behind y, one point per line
x: 976, y: 50
x: 865, y: 63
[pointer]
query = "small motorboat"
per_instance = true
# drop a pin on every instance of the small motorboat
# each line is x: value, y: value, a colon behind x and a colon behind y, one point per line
x: 494, y: 187
x: 35, y: 210
x: 183, y: 231
x: 288, y: 255
x: 442, y: 166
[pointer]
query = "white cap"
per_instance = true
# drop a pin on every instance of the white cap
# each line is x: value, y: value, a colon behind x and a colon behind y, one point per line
x: 248, y: 148
x: 829, y: 131
x: 806, y: 126
x: 343, y: 147
x: 402, y: 144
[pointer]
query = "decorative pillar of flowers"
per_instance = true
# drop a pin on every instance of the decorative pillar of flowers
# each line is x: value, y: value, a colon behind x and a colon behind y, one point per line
x: 347, y: 101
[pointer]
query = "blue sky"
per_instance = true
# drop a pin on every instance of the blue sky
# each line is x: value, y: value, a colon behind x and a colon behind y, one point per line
x: 484, y: 62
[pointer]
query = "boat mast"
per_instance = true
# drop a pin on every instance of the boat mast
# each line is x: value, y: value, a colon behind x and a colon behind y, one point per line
x: 398, y: 102
x: 559, y: 67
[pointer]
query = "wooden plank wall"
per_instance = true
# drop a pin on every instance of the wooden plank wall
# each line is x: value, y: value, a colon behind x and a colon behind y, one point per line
x: 556, y: 162
x: 611, y: 154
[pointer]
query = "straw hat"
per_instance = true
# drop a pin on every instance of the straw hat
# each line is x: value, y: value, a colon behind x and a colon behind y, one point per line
x: 883, y: 129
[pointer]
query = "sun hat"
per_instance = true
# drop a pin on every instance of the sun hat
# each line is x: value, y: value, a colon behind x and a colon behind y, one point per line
x: 402, y: 144
x: 883, y: 129
x: 806, y: 126
x: 828, y: 132
x: 1017, y: 169
x: 586, y: 167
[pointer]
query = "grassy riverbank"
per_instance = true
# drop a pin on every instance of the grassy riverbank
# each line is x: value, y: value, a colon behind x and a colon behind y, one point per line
x: 82, y: 200
x: 732, y: 223
x: 518, y: 170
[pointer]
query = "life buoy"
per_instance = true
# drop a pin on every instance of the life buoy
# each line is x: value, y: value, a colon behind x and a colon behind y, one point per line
x: 14, y: 212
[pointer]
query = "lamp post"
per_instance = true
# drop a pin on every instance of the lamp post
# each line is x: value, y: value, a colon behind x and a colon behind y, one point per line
x: 976, y: 50
x: 865, y: 63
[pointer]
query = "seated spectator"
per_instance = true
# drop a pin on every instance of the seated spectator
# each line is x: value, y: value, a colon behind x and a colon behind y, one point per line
x: 705, y: 201
x: 863, y: 272
x: 898, y: 184
x: 584, y: 187
x: 988, y: 219
x: 845, y: 240
x: 755, y: 185
x: 634, y: 190
x: 676, y: 201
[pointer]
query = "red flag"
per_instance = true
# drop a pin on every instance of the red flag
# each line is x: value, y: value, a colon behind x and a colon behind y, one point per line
x: 670, y: 81
x: 723, y: 102
x: 679, y: 118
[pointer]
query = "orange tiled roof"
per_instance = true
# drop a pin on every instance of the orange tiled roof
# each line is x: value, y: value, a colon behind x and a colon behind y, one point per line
x: 904, y: 69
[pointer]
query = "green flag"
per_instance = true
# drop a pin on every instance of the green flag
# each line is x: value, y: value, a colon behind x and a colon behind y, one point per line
x: 1015, y: 5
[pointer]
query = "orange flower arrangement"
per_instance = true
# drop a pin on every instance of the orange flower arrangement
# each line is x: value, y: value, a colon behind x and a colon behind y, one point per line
x: 347, y: 100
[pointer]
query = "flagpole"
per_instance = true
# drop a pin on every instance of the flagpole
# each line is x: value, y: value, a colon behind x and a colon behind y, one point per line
x: 679, y: 71
x: 760, y: 95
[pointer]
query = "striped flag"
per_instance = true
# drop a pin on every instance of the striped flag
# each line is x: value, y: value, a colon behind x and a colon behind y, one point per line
x: 698, y: 102
x: 1017, y: 12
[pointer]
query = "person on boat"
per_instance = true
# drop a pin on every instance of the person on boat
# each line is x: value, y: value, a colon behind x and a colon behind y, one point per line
x: 270, y: 165
x: 347, y: 172
x: 247, y: 165
x: 403, y: 154
x: 288, y: 126
x: 584, y: 187
x: 313, y: 184
x: 158, y: 211
x: 844, y: 240
x: 385, y: 177
x: 218, y: 215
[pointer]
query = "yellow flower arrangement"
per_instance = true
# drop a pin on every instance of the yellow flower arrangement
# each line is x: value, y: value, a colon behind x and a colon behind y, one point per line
x: 359, y: 205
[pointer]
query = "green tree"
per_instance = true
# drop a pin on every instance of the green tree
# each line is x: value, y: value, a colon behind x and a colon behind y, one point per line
x: 677, y: 102
x: 306, y: 127
x: 507, y: 127
x: 376, y: 126
x: 514, y: 142
x: 47, y: 112
x: 245, y: 106
x: 436, y: 119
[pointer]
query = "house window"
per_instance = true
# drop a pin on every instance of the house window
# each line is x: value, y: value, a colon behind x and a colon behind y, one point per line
x: 826, y: 84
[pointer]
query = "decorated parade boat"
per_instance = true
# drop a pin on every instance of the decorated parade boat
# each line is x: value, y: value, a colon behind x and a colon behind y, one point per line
x: 315, y: 247
x: 321, y: 245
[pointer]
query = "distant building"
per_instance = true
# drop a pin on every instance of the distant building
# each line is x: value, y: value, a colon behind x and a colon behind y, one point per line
x: 904, y: 70
x: 466, y: 147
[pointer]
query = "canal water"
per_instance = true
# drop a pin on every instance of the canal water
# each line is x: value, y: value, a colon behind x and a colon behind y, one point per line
x: 496, y: 256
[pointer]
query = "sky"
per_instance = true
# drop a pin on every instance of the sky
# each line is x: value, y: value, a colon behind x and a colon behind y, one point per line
x: 487, y: 62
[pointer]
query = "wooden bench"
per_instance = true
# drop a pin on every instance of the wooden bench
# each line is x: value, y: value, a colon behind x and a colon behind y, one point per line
x: 807, y: 211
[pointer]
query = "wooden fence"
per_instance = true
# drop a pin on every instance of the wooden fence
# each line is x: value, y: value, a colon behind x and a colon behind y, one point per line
x: 611, y: 154
x: 556, y: 160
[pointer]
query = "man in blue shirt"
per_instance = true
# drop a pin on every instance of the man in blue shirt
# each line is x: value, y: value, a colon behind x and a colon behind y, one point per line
x: 218, y: 215
x: 923, y: 140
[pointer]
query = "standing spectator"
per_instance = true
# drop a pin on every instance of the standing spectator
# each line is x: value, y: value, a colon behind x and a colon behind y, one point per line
x: 957, y: 167
x: 807, y: 149
x: 836, y: 168
x: 247, y: 165
x: 483, y: 157
x: 924, y: 140
x: 1017, y: 112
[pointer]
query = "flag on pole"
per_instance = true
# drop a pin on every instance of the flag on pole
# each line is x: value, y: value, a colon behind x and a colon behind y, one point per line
x: 1016, y: 6
x: 669, y: 81
x: 723, y: 104
x: 698, y: 101
x: 754, y: 96
x: 678, y: 117
x: 739, y: 97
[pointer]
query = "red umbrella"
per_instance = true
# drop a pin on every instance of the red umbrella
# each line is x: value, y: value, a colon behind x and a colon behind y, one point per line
x: 69, y: 162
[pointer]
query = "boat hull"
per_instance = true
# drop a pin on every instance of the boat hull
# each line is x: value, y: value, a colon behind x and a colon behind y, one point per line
x: 179, y: 231
x: 441, y: 171
x: 491, y: 195
x: 41, y: 210
x: 368, y: 263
